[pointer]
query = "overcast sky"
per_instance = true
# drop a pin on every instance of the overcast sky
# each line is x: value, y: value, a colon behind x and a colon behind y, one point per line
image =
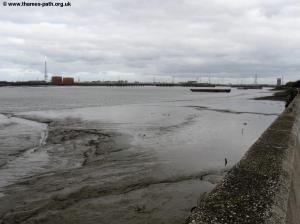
x: 142, y: 39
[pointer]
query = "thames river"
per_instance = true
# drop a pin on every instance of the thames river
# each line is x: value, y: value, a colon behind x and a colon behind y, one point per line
x: 120, y: 155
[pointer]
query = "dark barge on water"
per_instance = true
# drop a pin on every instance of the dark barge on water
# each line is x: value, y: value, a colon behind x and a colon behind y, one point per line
x: 212, y: 90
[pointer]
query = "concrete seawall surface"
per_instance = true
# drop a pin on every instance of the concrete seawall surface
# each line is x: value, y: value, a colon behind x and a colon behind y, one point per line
x: 264, y: 187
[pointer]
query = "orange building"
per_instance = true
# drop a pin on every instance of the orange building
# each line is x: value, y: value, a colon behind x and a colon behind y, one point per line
x: 68, y: 81
x: 56, y: 80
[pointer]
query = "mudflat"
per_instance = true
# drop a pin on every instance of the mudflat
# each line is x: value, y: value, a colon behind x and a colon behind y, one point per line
x: 128, y: 160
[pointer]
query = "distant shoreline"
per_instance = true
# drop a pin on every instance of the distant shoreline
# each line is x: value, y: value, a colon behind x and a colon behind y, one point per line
x: 127, y: 84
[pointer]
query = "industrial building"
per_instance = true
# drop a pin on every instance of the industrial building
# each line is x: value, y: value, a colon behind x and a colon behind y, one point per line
x: 68, y: 81
x: 56, y: 80
x: 279, y: 82
x: 59, y: 80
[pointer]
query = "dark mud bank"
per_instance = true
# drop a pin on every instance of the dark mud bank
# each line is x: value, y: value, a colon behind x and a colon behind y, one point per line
x: 264, y: 186
x: 95, y: 176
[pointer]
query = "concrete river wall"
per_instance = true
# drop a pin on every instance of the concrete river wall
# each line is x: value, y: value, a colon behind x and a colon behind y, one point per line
x: 264, y: 187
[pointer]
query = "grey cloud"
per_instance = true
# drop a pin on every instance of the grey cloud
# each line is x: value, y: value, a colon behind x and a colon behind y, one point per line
x: 147, y: 37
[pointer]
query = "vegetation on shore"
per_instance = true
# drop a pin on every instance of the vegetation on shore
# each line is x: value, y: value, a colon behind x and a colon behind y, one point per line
x: 284, y: 93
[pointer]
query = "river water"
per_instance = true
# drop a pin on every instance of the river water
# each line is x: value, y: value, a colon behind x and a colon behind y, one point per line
x: 120, y: 155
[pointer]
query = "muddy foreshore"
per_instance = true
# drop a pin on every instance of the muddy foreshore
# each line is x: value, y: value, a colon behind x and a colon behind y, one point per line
x: 90, y: 177
x: 132, y: 163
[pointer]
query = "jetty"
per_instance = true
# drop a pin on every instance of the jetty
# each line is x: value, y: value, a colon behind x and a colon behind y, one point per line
x: 248, y: 86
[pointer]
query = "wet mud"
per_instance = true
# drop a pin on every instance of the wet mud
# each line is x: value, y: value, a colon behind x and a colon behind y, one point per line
x: 232, y: 111
x: 91, y: 175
